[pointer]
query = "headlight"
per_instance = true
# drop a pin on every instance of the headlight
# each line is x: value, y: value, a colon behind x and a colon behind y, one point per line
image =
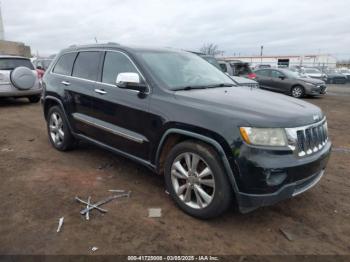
x: 264, y: 136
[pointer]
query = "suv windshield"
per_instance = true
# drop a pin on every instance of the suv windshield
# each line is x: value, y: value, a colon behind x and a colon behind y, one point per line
x: 179, y: 70
x: 12, y: 63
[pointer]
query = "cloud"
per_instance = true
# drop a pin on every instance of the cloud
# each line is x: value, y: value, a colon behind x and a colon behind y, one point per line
x: 236, y: 26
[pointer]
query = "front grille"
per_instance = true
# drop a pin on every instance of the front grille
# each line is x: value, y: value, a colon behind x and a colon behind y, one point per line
x: 323, y: 88
x: 309, y: 139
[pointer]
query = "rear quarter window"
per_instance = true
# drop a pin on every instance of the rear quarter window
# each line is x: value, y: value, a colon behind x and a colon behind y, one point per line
x: 65, y: 64
x: 12, y: 63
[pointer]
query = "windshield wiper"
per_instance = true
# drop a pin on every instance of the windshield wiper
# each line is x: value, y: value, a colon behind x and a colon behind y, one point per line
x: 221, y: 85
x: 203, y: 87
x: 186, y: 88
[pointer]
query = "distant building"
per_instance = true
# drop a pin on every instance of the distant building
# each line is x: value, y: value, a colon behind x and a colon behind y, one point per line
x: 14, y: 48
x: 321, y: 60
x: 10, y: 47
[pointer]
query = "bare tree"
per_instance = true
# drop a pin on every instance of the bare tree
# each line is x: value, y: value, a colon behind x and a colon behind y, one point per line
x: 210, y: 49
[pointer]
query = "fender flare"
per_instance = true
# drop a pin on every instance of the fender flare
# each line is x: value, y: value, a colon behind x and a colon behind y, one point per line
x: 62, y: 108
x: 208, y: 140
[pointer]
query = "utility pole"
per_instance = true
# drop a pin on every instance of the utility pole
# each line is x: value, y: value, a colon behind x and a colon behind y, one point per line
x: 2, y: 34
x: 261, y: 52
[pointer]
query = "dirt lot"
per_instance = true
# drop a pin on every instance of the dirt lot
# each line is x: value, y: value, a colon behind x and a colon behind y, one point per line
x: 38, y: 186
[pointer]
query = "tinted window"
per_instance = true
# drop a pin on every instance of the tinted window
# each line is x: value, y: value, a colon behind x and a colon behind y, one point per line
x: 114, y: 64
x: 262, y: 72
x: 86, y: 65
x: 276, y: 74
x: 65, y: 64
x: 241, y: 69
x: 12, y: 63
x: 223, y: 67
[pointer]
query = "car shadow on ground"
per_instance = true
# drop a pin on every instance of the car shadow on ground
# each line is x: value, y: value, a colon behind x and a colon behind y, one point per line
x: 11, y: 102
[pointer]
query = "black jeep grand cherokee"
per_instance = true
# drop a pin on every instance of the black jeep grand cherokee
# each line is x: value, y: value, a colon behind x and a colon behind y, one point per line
x: 214, y: 142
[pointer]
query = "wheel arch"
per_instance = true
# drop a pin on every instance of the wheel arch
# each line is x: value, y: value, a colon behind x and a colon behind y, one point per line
x: 51, y: 101
x: 174, y: 135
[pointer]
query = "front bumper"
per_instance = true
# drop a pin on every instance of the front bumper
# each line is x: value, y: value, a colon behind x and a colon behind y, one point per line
x: 301, y: 175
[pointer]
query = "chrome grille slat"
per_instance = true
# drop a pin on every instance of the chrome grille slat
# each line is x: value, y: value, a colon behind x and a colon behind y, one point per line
x: 309, y: 139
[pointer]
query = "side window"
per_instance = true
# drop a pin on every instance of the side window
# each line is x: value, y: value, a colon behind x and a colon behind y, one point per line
x: 114, y: 64
x: 86, y: 65
x: 262, y: 73
x: 65, y: 64
x: 276, y: 74
x: 223, y: 67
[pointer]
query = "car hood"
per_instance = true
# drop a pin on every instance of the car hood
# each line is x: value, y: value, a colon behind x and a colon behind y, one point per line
x: 314, y: 74
x: 243, y: 80
x: 311, y: 80
x: 254, y: 107
x: 335, y: 75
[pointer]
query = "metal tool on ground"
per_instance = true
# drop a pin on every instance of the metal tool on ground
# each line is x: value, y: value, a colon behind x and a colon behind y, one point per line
x: 96, y: 207
x: 87, y: 215
x: 60, y: 224
x: 117, y: 191
x: 90, y: 206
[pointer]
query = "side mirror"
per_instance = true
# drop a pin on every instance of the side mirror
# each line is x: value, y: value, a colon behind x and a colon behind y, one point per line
x: 282, y: 77
x: 130, y: 81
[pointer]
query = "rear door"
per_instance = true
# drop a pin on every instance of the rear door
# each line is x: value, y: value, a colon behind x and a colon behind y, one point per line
x: 121, y: 116
x: 264, y: 79
x: 79, y: 88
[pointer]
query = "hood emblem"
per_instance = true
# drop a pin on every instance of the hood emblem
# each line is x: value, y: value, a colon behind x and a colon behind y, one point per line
x: 316, y: 117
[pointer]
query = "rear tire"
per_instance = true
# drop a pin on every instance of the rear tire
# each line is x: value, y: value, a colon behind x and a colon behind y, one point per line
x: 203, y: 189
x: 297, y: 91
x: 34, y: 99
x: 57, y: 126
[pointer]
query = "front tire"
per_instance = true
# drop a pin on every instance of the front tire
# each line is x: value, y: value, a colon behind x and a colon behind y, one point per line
x: 58, y: 130
x: 196, y: 180
x: 297, y: 91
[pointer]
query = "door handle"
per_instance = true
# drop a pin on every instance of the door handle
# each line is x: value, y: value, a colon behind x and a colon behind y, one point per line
x: 65, y: 83
x: 100, y: 91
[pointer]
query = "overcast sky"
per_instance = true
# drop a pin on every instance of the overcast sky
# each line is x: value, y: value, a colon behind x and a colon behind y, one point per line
x: 282, y: 26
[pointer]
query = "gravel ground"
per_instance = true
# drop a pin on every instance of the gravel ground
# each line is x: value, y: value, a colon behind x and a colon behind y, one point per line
x: 38, y: 186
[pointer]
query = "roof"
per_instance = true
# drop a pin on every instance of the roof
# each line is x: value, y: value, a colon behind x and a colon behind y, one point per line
x: 118, y: 47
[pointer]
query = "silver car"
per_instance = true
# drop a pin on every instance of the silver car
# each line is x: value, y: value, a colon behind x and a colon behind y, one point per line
x: 18, y: 78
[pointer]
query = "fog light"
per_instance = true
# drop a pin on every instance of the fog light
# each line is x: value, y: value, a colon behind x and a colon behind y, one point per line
x: 275, y: 177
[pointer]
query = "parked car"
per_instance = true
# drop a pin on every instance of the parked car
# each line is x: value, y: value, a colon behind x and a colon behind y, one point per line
x: 215, y: 143
x: 18, y: 78
x: 335, y: 77
x: 262, y: 66
x: 242, y: 81
x: 314, y: 73
x: 289, y: 82
x: 346, y: 72
x: 41, y: 65
x: 237, y: 68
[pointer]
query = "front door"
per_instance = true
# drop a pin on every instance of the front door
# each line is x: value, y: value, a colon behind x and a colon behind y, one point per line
x: 279, y: 81
x: 121, y: 116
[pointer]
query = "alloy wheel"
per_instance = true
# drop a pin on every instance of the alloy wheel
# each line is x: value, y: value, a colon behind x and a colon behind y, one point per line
x: 193, y: 180
x: 297, y: 91
x: 56, y: 128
